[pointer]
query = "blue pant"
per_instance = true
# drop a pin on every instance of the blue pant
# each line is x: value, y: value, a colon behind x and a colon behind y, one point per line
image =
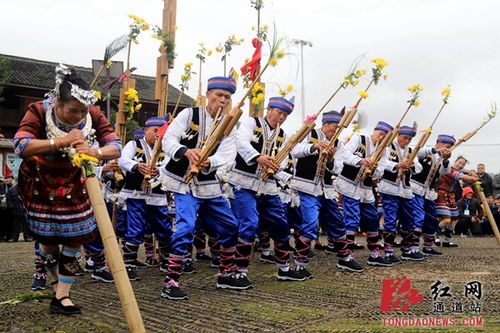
x: 201, y: 226
x: 397, y: 209
x: 356, y: 212
x: 425, y: 215
x: 143, y: 219
x: 326, y: 211
x: 248, y: 208
x: 213, y: 212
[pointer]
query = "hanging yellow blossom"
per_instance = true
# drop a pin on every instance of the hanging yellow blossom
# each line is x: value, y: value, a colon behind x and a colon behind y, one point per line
x: 273, y: 61
x: 380, y: 63
x: 415, y: 88
x: 415, y: 93
x: 97, y: 94
x: 289, y: 87
x: 280, y: 54
x: 108, y: 63
x: 446, y: 94
x: 386, y: 76
x: 363, y: 94
x: 416, y: 103
x: 209, y: 53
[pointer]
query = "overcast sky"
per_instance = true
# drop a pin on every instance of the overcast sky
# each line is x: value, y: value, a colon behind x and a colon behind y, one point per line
x: 430, y: 42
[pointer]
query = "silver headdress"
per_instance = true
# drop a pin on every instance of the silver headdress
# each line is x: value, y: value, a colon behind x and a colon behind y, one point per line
x: 86, y: 97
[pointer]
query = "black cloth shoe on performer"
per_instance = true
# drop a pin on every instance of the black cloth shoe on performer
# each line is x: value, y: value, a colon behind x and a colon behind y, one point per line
x: 290, y: 275
x: 173, y: 292
x: 57, y: 307
x: 202, y: 257
x: 350, y: 265
x: 269, y: 259
x: 132, y: 274
x: 188, y: 268
x: 379, y: 261
x: 137, y: 264
x: 448, y: 244
x: 432, y: 253
x: 102, y: 275
x: 233, y: 283
x: 39, y: 282
x: 392, y: 258
x: 414, y: 256
x: 303, y: 271
x: 79, y: 271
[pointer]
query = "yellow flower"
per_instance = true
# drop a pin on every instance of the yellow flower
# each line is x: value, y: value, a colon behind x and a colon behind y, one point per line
x: 201, y: 44
x: 218, y: 49
x: 255, y: 101
x: 347, y: 82
x: 108, y: 63
x: 358, y: 73
x: 416, y: 102
x: 77, y: 161
x: 386, y: 76
x: 415, y: 88
x: 138, y: 107
x: 246, y: 60
x: 446, y: 92
x: 253, y: 27
x: 355, y: 83
x: 379, y: 62
x: 97, y: 94
x: 280, y: 54
x: 209, y: 53
x: 189, y: 64
x: 363, y: 94
x: 242, y: 40
x: 282, y: 92
x: 184, y: 77
x: 136, y: 41
x: 289, y: 87
x: 273, y: 62
x: 260, y: 97
x: 145, y: 26
x: 175, y: 27
x: 264, y: 27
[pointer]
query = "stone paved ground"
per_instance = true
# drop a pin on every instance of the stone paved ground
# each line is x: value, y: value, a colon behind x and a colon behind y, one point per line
x: 333, y: 301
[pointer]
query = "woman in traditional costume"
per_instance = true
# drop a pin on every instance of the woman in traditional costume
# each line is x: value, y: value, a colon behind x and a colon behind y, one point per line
x: 446, y: 204
x: 50, y: 186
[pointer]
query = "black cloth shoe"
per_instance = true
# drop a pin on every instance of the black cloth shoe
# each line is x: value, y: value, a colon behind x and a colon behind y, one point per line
x: 379, y: 261
x: 432, y: 253
x: 330, y: 250
x: 57, y: 307
x: 319, y: 246
x: 243, y: 279
x: 132, y: 274
x: 303, y: 271
x: 290, y: 275
x: 448, y: 244
x: 392, y: 258
x: 136, y: 263
x: 350, y: 265
x: 39, y: 282
x: 173, y: 293
x: 415, y: 256
x: 79, y: 271
x: 102, y: 275
x: 28, y: 238
x: 231, y: 282
x: 269, y: 259
x: 437, y: 242
x: 188, y: 268
x: 311, y: 254
x: 202, y: 257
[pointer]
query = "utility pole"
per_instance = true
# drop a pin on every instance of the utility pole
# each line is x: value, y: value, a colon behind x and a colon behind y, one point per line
x: 302, y: 43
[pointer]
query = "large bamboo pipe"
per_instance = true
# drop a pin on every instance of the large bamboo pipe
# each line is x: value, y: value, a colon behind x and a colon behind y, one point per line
x: 486, y: 207
x: 114, y: 258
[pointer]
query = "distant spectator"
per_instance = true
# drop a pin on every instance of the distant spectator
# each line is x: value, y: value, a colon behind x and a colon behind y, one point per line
x: 496, y: 185
x: 18, y: 218
x: 470, y: 213
x: 495, y: 210
x: 485, y: 179
x: 5, y: 219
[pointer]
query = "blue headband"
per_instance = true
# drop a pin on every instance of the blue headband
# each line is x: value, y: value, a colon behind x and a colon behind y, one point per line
x: 281, y: 103
x: 383, y: 126
x: 222, y: 82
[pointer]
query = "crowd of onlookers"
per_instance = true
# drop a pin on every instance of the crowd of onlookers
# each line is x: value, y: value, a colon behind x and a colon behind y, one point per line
x: 473, y: 217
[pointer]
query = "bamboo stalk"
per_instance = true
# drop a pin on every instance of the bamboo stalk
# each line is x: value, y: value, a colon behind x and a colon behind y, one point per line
x: 177, y: 104
x: 97, y: 75
x: 114, y: 258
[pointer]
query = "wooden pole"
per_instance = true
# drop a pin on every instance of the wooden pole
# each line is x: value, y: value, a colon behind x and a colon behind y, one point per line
x: 114, y: 258
x: 486, y: 207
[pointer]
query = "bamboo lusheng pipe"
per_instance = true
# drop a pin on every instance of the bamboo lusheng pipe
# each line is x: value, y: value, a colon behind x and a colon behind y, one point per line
x: 486, y: 206
x: 222, y: 129
x: 152, y: 163
x: 389, y: 138
x: 114, y: 257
